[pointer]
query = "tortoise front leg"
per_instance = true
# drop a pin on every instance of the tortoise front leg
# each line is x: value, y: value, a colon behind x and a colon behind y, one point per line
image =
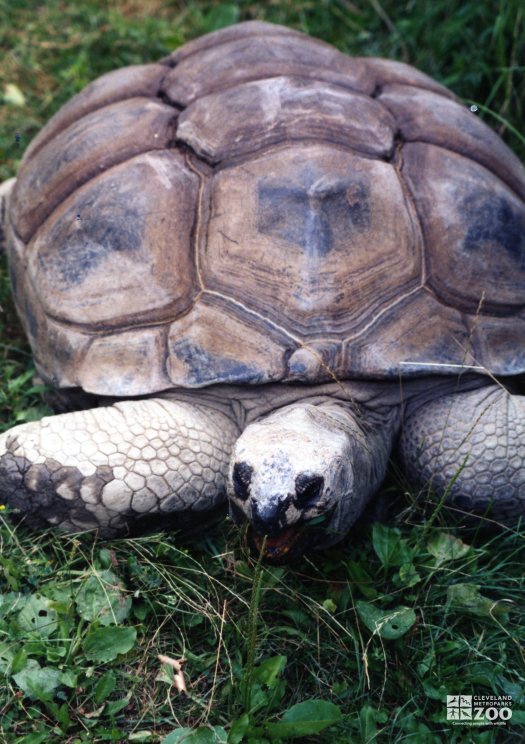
x: 109, y: 468
x: 470, y: 447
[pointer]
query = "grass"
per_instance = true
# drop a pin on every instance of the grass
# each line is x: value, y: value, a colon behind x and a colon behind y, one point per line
x: 379, y: 629
x: 382, y: 628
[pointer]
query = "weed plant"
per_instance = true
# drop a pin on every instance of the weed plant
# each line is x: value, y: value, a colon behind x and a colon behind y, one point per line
x: 361, y: 643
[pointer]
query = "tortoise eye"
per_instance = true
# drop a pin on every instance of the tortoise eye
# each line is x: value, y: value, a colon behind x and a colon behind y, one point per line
x: 308, y: 488
x: 242, y: 477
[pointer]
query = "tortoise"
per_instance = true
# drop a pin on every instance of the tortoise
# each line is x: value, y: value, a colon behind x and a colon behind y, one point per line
x: 274, y: 265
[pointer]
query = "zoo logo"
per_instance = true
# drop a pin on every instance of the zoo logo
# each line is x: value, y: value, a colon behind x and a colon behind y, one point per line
x: 479, y: 710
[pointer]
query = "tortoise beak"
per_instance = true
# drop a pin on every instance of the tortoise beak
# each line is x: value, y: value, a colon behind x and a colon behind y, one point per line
x: 291, y: 542
x: 286, y: 546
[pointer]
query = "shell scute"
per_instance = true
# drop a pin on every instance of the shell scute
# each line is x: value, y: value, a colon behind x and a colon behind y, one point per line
x: 424, y: 116
x: 128, y: 258
x: 311, y: 237
x: 219, y: 341
x: 474, y: 228
x: 244, y: 59
x: 117, y: 85
x: 98, y: 141
x: 287, y: 109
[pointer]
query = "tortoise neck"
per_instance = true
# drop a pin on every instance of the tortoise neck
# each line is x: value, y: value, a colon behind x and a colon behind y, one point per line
x: 246, y: 403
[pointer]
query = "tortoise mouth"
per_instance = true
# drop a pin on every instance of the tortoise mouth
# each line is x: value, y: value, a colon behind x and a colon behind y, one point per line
x: 289, y: 544
x: 292, y: 542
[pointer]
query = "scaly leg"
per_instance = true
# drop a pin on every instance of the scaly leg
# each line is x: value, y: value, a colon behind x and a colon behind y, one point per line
x: 470, y: 447
x: 109, y: 468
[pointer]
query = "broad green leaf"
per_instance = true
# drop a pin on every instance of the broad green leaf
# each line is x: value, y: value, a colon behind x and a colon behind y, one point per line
x: 60, y: 713
x: 259, y: 697
x: 238, y: 729
x: 305, y: 719
x: 268, y: 670
x: 38, y: 616
x: 11, y: 602
x: 102, y: 597
x: 445, y: 547
x: 266, y: 689
x: 69, y: 678
x: 106, y: 557
x: 201, y: 735
x: 104, y: 687
x: 369, y: 717
x: 115, y: 706
x: 408, y: 576
x: 38, y: 682
x: 435, y: 693
x: 55, y: 653
x: 7, y: 654
x: 13, y: 95
x: 466, y: 599
x: 105, y: 644
x: 19, y: 661
x: 389, y: 624
x: 35, y: 738
x: 359, y: 575
x: 388, y: 545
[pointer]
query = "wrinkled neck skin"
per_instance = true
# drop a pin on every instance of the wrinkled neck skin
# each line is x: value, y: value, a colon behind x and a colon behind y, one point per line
x: 247, y: 403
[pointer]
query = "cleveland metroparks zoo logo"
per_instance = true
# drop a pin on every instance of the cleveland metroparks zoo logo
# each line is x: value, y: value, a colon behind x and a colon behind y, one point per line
x: 479, y: 710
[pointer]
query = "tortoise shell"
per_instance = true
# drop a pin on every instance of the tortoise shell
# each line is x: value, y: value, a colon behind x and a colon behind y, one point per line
x: 260, y: 207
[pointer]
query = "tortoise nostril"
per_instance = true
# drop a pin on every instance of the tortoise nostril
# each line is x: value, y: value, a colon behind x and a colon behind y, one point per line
x: 270, y: 519
x: 241, y: 479
x: 308, y: 488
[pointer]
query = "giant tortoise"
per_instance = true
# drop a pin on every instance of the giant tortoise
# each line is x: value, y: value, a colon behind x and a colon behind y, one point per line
x: 275, y: 265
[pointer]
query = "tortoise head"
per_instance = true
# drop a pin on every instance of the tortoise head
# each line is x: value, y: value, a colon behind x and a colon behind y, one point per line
x: 291, y: 478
